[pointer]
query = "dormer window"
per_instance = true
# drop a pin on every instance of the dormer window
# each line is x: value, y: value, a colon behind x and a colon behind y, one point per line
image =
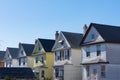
x: 93, y: 36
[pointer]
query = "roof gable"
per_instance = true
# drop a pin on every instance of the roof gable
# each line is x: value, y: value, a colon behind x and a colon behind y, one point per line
x: 93, y: 36
x: 13, y: 52
x: 28, y: 48
x: 106, y: 31
x: 47, y: 44
x: 60, y: 43
x: 38, y: 47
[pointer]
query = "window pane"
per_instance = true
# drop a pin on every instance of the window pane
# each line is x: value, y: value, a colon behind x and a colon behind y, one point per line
x: 103, y: 71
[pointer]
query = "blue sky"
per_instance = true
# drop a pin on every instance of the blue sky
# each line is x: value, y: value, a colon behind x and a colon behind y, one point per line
x: 26, y: 20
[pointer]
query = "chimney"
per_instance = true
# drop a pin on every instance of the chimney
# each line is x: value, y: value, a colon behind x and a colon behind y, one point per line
x: 85, y: 28
x: 56, y: 35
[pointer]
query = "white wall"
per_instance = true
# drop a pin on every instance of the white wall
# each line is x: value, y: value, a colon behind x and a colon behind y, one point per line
x: 93, y: 53
x: 113, y: 72
x: 76, y: 55
x: 72, y: 72
x: 113, y: 53
x: 98, y: 37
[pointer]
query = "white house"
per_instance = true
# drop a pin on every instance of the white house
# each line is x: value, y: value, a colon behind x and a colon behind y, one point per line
x: 67, y: 56
x: 101, y: 52
x: 11, y: 57
x: 24, y: 56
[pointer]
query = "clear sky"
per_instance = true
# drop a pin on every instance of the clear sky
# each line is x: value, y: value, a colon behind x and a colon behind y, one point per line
x: 26, y: 20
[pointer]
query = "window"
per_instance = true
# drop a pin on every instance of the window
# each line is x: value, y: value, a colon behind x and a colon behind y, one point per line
x: 36, y: 59
x: 88, y: 52
x: 22, y: 52
x: 56, y: 72
x: 43, y: 74
x: 94, y: 72
x: 67, y: 54
x: 19, y: 61
x: 103, y: 71
x: 93, y: 36
x: 87, y: 71
x: 98, y: 50
x: 10, y: 63
x: 24, y: 61
x: 58, y: 55
x: 59, y: 72
x: 61, y: 55
x: 42, y: 59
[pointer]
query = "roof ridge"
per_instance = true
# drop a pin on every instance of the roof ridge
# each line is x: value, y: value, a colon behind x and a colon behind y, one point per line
x: 104, y: 25
x: 44, y: 39
x: 71, y: 32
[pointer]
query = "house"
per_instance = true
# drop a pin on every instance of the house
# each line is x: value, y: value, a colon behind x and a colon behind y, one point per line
x: 25, y: 58
x: 101, y: 52
x: 67, y: 56
x: 11, y: 57
x: 43, y: 58
x: 16, y: 73
x: 2, y: 54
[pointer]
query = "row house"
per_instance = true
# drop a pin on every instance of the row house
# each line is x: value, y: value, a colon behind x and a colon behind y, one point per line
x: 43, y: 58
x: 2, y: 54
x: 67, y: 56
x: 25, y: 58
x: 101, y: 52
x: 10, y: 57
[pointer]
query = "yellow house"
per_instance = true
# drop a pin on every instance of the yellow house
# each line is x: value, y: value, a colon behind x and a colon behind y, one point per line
x: 43, y: 58
x: 25, y: 58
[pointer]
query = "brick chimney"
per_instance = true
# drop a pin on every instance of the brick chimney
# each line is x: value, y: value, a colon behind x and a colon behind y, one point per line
x: 85, y: 28
x: 56, y: 35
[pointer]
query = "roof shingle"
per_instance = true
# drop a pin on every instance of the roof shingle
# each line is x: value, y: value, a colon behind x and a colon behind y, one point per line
x: 13, y: 52
x: 18, y: 73
x: 28, y: 48
x: 74, y: 39
x: 2, y: 54
x: 47, y: 44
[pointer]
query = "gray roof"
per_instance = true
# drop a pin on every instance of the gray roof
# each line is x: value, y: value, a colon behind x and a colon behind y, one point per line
x: 2, y: 54
x: 28, y: 48
x: 18, y: 73
x: 13, y: 52
x: 73, y: 39
x: 47, y: 44
x: 108, y: 32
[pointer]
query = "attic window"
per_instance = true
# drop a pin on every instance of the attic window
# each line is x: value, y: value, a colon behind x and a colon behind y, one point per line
x: 61, y: 42
x: 93, y: 36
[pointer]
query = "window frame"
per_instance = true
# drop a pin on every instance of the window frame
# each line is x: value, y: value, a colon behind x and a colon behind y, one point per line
x: 103, y: 75
x: 88, y: 51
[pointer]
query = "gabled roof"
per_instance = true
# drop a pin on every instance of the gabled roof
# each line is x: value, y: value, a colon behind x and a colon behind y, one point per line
x: 28, y: 48
x: 108, y: 32
x: 13, y: 52
x: 47, y: 44
x: 73, y: 39
x: 18, y: 73
x: 2, y: 54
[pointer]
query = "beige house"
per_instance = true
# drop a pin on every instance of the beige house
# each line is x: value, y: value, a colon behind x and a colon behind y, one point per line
x: 67, y: 56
